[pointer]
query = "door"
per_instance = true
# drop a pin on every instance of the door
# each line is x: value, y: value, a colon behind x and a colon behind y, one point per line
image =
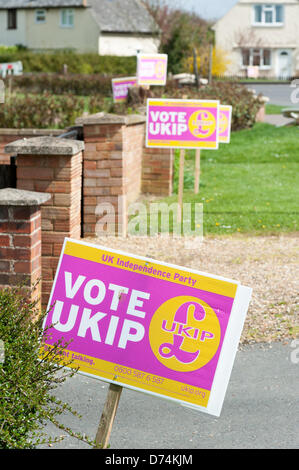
x: 284, y: 64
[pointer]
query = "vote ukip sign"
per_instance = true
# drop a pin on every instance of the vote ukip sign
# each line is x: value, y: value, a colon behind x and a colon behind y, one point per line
x: 146, y: 325
x: 225, y: 118
x: 192, y: 124
x: 120, y: 87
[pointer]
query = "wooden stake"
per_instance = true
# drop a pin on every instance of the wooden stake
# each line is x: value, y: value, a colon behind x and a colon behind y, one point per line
x: 181, y: 185
x: 197, y: 171
x: 108, y: 416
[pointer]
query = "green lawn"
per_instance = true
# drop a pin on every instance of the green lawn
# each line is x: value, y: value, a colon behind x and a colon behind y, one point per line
x: 274, y: 108
x: 249, y: 185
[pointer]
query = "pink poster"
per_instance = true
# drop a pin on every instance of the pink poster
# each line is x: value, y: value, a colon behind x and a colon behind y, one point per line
x: 152, y: 69
x: 182, y: 123
x: 120, y: 88
x: 146, y: 325
x: 225, y: 118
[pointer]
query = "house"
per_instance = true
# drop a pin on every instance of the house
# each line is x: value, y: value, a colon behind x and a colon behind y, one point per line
x: 261, y: 38
x: 106, y: 27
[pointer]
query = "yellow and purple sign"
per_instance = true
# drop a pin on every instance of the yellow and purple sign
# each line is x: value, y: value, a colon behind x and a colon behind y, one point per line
x: 153, y: 327
x: 192, y: 124
x: 120, y: 87
x: 225, y: 119
x: 152, y: 69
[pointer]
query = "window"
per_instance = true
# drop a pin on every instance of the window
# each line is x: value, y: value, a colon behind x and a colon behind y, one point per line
x: 67, y: 18
x: 12, y: 19
x: 268, y: 15
x: 40, y: 16
x: 256, y: 57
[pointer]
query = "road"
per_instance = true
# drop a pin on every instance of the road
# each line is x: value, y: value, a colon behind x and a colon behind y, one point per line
x: 260, y: 411
x: 278, y: 94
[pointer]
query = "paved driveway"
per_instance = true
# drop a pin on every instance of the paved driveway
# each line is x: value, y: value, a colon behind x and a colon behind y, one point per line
x: 261, y: 409
x: 278, y: 94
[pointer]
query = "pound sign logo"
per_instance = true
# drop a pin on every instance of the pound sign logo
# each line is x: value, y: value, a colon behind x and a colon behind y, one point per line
x: 202, y: 124
x: 184, y: 333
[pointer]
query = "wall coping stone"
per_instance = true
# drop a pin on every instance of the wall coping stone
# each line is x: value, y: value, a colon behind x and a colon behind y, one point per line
x: 31, y: 131
x: 21, y: 197
x: 44, y: 146
x: 103, y: 118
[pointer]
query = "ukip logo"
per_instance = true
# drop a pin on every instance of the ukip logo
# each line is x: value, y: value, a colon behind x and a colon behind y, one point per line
x: 184, y: 333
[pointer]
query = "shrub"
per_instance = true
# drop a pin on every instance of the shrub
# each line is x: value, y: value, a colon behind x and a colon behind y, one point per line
x: 90, y: 63
x: 41, y: 111
x: 26, y: 380
x: 58, y: 84
x: 245, y: 104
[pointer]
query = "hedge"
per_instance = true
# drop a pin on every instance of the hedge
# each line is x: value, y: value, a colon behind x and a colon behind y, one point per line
x: 245, y: 104
x: 89, y: 63
x: 58, y: 84
x: 59, y: 105
x: 41, y: 111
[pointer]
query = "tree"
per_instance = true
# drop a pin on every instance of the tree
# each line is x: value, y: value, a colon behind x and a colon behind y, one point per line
x: 181, y: 32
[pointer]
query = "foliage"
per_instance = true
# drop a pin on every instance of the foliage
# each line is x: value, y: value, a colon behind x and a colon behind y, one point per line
x: 26, y: 380
x: 180, y: 33
x: 220, y: 62
x: 245, y: 105
x: 40, y: 111
x: 59, y: 84
x: 78, y: 63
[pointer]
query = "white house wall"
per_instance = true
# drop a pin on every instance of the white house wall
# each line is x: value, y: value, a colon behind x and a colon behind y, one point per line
x: 121, y: 45
x: 236, y: 26
x: 12, y: 37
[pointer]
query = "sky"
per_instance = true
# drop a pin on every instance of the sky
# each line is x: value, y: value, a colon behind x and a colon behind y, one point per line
x: 207, y: 9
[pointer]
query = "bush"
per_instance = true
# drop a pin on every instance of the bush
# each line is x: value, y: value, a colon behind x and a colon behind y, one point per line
x: 41, y: 111
x: 245, y: 105
x: 27, y: 381
x: 89, y: 63
x: 58, y: 84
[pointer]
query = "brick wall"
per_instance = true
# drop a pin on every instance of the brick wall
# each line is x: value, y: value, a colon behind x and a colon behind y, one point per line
x: 157, y: 171
x: 20, y: 238
x: 111, y: 165
x: 53, y: 166
x: 11, y: 135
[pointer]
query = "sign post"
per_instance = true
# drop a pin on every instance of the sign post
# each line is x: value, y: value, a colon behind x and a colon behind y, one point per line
x: 197, y: 171
x: 108, y: 416
x: 181, y: 185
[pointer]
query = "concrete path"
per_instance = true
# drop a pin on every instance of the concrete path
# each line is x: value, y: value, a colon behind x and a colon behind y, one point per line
x: 261, y: 409
x: 279, y: 94
x: 277, y: 120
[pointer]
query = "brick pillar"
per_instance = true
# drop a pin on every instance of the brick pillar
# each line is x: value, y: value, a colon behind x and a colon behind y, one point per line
x: 112, y: 165
x: 20, y: 238
x: 157, y: 171
x: 52, y: 165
